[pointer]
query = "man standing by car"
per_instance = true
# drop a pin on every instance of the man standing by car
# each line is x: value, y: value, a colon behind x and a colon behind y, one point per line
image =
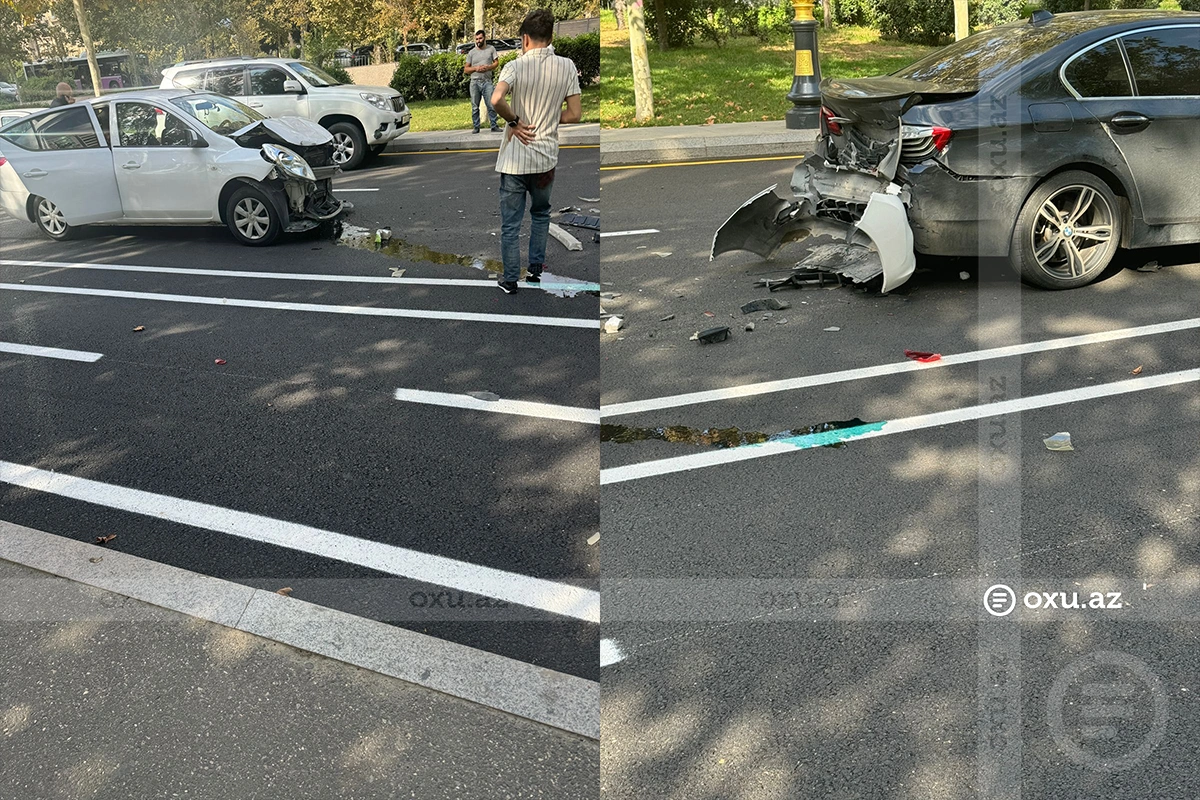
x: 63, y: 95
x: 481, y: 63
x: 540, y: 83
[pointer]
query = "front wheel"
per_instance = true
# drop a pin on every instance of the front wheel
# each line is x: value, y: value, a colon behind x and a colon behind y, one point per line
x: 251, y: 217
x: 1067, y: 232
x: 349, y: 145
x: 50, y: 219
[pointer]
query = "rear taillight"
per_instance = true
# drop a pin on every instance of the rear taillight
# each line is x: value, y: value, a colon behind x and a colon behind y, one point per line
x: 828, y: 125
x: 941, y: 137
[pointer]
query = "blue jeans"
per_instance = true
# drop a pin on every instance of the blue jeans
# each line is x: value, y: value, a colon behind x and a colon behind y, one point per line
x: 513, y: 189
x: 484, y: 89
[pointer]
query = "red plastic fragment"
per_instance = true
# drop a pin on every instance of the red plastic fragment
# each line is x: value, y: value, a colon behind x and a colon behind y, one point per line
x: 922, y: 356
x: 218, y: 361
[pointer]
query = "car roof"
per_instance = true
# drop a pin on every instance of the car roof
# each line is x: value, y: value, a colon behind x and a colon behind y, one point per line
x: 231, y: 61
x: 1084, y: 21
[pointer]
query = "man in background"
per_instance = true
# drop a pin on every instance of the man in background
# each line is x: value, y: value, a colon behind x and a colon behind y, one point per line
x: 481, y: 64
x: 540, y: 83
x: 63, y: 95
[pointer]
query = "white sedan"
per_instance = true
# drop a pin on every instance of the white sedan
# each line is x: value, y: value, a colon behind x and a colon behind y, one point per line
x: 167, y: 157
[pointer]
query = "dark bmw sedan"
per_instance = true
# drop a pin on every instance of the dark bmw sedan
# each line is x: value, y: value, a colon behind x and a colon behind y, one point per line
x: 1051, y: 141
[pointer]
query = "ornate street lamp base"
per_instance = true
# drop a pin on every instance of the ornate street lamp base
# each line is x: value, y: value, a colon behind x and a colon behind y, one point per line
x: 803, y: 118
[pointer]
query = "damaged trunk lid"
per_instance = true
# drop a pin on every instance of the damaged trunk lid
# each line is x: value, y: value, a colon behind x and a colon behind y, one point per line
x: 861, y: 121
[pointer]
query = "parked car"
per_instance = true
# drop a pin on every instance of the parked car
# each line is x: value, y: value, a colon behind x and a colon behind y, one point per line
x: 422, y: 49
x: 167, y: 157
x: 505, y: 45
x: 10, y: 114
x: 10, y: 92
x: 464, y: 48
x: 362, y: 119
x: 1051, y: 141
x: 343, y: 57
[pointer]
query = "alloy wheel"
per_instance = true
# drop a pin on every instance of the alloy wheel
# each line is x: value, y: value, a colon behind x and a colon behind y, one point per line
x: 51, y: 218
x: 343, y: 148
x: 1072, y: 232
x: 252, y: 218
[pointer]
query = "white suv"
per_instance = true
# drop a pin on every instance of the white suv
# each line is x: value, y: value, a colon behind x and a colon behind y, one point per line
x: 362, y: 119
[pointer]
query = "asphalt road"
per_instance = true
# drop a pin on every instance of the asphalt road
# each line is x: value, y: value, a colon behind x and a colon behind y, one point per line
x: 300, y: 424
x: 810, y: 623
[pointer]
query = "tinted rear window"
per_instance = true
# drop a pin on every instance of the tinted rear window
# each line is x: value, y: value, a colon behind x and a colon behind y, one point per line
x: 1165, y: 62
x: 968, y: 64
x: 1100, y: 72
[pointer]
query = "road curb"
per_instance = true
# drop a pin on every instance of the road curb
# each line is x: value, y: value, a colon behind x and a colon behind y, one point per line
x: 582, y: 135
x: 636, y: 146
x: 552, y: 698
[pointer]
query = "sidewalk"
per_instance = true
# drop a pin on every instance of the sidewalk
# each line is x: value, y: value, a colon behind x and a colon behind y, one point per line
x: 105, y: 696
x: 625, y: 146
x: 422, y: 141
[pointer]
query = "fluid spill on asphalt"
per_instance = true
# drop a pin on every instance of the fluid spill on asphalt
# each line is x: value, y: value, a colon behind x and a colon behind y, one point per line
x: 825, y: 434
x: 364, y: 239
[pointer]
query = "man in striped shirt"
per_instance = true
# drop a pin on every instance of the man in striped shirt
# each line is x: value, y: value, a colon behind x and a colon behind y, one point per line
x: 540, y: 83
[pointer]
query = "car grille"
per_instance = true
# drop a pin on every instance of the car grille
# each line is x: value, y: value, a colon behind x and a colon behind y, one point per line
x: 397, y: 104
x: 320, y: 155
x: 913, y: 151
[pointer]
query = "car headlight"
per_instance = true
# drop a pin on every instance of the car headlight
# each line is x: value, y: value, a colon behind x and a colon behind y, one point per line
x: 288, y: 161
x: 379, y: 101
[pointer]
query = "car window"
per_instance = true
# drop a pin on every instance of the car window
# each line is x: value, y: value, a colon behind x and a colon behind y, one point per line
x: 1165, y: 62
x: 189, y: 78
x: 146, y: 125
x: 267, y: 80
x: 225, y: 80
x: 1100, y: 72
x: 102, y: 116
x: 312, y: 74
x: 219, y: 114
x: 68, y: 129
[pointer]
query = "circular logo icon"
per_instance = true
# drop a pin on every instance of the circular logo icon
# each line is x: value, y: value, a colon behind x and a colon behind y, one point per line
x: 999, y: 600
x: 1107, y: 711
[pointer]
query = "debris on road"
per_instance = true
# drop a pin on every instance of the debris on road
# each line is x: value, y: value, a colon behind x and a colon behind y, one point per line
x: 383, y: 235
x: 964, y: 276
x: 490, y: 397
x: 285, y: 591
x: 565, y: 239
x: 709, y: 314
x: 767, y: 304
x: 594, y: 538
x: 105, y: 539
x: 1058, y: 442
x: 1149, y: 266
x: 613, y: 324
x: 922, y: 356
x: 1136, y: 370
x: 667, y: 318
x: 781, y: 321
x: 713, y: 335
x: 219, y: 361
x: 658, y: 253
x: 749, y: 326
x: 139, y: 329
x: 96, y: 560
x: 800, y: 278
x: 580, y: 221
x: 832, y: 328
x: 569, y: 209
x: 610, y: 295
x: 590, y: 199
x: 397, y: 272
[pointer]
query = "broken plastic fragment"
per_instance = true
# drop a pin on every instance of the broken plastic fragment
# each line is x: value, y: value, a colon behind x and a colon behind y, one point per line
x: 590, y: 199
x: 965, y: 276
x: 659, y: 254
x: 667, y: 318
x: 832, y: 328
x: 595, y: 537
x: 1136, y: 370
x: 1149, y: 266
x: 713, y: 335
x: 285, y: 591
x: 491, y: 397
x: 769, y: 303
x: 218, y: 361
x: 922, y: 356
x: 565, y: 239
x: 749, y: 326
x: 613, y: 324
x: 397, y: 272
x: 139, y: 329
x: 1058, y: 442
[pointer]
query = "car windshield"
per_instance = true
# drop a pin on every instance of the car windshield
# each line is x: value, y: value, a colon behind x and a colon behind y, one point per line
x: 313, y: 75
x: 220, y: 114
x: 968, y: 64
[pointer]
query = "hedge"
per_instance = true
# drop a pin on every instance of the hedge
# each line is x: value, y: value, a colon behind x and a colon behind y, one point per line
x: 441, y: 77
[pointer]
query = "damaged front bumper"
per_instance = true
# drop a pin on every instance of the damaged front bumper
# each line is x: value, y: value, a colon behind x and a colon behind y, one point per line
x: 865, y: 216
x: 309, y: 203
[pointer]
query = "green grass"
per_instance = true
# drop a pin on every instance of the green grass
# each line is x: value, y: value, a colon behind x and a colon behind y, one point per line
x: 451, y: 115
x: 742, y: 81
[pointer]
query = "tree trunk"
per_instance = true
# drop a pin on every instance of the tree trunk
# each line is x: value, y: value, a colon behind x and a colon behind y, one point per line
x: 643, y: 92
x: 86, y: 34
x: 660, y: 14
x: 828, y: 14
x: 619, y: 8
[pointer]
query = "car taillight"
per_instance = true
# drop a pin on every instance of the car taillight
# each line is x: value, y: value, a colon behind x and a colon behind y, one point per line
x: 828, y: 124
x: 941, y: 137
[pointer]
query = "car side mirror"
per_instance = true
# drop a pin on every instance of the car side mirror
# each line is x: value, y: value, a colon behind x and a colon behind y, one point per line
x: 292, y: 87
x: 195, y: 139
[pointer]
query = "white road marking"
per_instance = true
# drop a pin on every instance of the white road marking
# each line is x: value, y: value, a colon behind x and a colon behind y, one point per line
x: 366, y: 311
x: 582, y: 286
x: 523, y: 408
x: 56, y: 352
x: 629, y: 233
x: 556, y: 598
x: 711, y: 458
x: 825, y: 379
x: 342, y: 190
x: 610, y: 652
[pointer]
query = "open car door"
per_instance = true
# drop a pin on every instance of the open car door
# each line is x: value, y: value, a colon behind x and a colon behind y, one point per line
x: 63, y: 156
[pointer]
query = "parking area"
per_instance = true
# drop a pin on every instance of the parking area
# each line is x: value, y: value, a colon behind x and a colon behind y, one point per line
x: 803, y: 614
x: 308, y: 415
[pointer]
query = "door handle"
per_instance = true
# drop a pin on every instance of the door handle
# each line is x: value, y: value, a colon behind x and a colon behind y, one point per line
x: 131, y: 165
x: 256, y: 105
x: 1127, y: 120
x: 35, y: 173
